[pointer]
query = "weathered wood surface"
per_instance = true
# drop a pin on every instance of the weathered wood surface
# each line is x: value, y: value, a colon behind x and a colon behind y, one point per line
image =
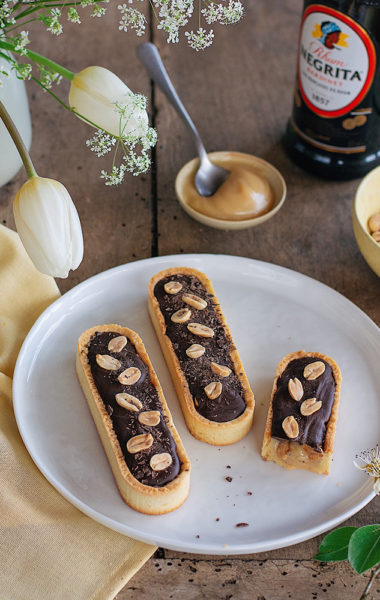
x: 237, y: 579
x: 239, y: 94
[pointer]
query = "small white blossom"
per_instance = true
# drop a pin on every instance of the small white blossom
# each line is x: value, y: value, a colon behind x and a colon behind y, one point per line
x: 131, y: 18
x: 48, y: 78
x: 72, y: 15
x: 200, y: 39
x: 132, y: 144
x: 23, y: 70
x: 101, y: 143
x: 21, y: 42
x: 51, y: 20
x: 98, y: 11
x: 137, y: 163
x: 6, y: 14
x: 211, y: 13
x: 232, y: 13
x: 116, y: 176
x: 371, y: 466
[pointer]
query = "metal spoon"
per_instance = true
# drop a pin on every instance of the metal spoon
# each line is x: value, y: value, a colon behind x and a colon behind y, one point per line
x: 209, y: 177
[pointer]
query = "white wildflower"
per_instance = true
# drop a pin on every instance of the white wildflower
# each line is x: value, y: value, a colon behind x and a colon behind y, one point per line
x: 172, y: 15
x: 73, y: 15
x: 116, y: 176
x: 101, y: 143
x: 48, y: 77
x: 51, y: 20
x: 131, y: 18
x: 6, y: 18
x: 200, y: 39
x: 211, y: 13
x: 23, y: 70
x: 137, y: 163
x: 371, y: 466
x: 98, y: 11
x: 21, y: 42
x: 131, y: 145
x: 232, y: 13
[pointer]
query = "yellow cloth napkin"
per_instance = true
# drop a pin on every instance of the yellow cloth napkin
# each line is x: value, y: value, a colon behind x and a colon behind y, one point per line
x: 48, y: 548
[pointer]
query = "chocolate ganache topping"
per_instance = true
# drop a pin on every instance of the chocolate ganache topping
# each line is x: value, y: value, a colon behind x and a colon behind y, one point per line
x: 312, y: 425
x: 221, y: 402
x: 126, y: 422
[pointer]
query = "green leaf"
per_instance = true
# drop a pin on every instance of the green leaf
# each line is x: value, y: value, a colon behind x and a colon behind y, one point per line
x: 335, y: 545
x: 364, y: 548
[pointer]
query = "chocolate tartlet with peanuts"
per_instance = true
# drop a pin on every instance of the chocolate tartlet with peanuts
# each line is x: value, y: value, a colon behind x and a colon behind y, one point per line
x: 303, y: 412
x: 208, y: 375
x: 148, y: 460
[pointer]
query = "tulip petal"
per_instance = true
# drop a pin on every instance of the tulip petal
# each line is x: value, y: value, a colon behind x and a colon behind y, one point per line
x: 94, y: 91
x: 48, y: 225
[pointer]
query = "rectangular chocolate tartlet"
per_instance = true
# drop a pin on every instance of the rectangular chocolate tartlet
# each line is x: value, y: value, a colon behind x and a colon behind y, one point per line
x: 302, y: 416
x: 147, y: 458
x: 207, y: 372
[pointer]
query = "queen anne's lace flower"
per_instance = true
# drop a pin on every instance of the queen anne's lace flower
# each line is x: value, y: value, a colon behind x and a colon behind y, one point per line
x: 128, y: 142
x: 201, y: 39
x: 48, y: 78
x: 23, y: 70
x: 21, y: 42
x: 171, y: 15
x: 131, y: 18
x: 73, y: 15
x: 6, y: 17
x: 98, y: 11
x: 371, y: 465
x: 115, y: 177
x: 232, y: 13
x: 101, y: 143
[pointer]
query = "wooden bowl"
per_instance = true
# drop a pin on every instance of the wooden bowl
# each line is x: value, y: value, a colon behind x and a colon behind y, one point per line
x: 366, y: 204
x: 264, y: 168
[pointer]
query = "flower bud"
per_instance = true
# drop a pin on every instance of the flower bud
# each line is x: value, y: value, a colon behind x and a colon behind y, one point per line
x: 48, y: 225
x: 94, y: 93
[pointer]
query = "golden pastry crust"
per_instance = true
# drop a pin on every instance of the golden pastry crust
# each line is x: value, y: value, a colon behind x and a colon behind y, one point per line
x: 143, y: 498
x: 291, y: 454
x: 212, y: 432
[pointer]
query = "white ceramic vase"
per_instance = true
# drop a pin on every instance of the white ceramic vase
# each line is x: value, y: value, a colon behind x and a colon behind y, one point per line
x: 13, y: 95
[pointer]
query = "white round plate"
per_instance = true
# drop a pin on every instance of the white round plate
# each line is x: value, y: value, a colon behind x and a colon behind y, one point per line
x: 271, y: 311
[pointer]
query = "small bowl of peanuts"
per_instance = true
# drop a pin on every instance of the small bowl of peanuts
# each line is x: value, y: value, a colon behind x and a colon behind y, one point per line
x: 366, y: 219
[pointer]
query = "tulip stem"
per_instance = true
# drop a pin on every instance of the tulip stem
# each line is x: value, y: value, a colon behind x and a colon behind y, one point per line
x: 13, y: 132
x: 39, y: 59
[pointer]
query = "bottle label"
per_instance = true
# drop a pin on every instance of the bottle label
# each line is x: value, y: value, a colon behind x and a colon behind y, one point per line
x: 337, y: 61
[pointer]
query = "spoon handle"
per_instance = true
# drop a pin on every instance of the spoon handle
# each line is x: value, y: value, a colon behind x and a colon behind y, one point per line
x: 151, y: 59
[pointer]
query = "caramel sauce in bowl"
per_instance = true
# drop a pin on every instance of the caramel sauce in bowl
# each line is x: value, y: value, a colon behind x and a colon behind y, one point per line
x: 253, y: 192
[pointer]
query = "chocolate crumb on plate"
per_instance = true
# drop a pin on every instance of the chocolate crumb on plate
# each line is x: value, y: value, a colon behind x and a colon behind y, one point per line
x: 228, y: 479
x: 242, y: 525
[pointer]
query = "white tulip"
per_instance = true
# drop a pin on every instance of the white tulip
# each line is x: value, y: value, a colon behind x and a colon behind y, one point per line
x: 48, y: 225
x: 94, y: 93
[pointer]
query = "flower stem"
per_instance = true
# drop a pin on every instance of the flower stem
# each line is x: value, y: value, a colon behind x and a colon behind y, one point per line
x: 41, y: 60
x: 374, y: 574
x: 13, y: 132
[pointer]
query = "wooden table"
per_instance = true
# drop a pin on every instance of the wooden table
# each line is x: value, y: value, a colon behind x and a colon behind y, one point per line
x: 239, y: 93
